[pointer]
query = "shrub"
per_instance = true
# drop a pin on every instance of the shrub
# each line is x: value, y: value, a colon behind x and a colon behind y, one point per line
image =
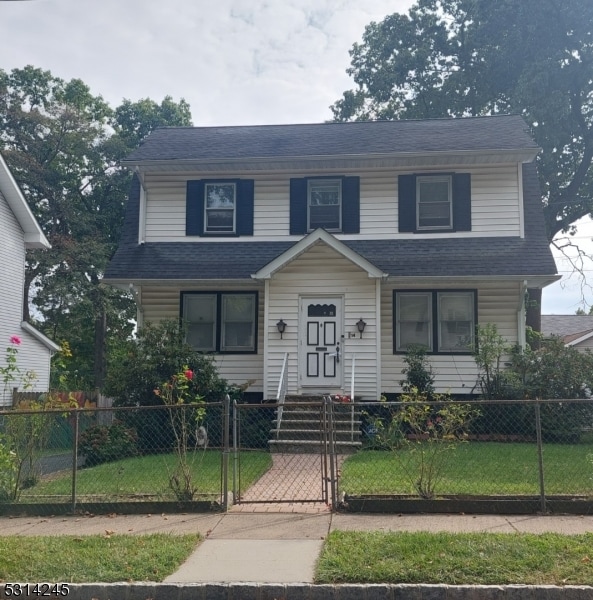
x: 553, y: 371
x: 418, y: 372
x: 430, y: 432
x: 140, y: 366
x: 106, y: 443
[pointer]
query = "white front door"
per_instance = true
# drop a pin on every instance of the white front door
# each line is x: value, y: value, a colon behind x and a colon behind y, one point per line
x: 320, y: 342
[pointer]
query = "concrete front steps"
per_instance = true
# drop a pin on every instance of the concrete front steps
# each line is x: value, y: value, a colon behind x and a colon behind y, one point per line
x: 301, y: 427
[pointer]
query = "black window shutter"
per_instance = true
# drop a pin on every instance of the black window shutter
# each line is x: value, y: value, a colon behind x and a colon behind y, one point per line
x: 406, y: 185
x: 245, y: 206
x: 462, y: 204
x: 298, y: 206
x: 194, y: 208
x: 351, y: 205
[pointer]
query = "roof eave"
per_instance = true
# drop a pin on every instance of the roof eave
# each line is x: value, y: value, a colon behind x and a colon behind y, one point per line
x: 396, y: 159
x: 51, y: 345
x: 34, y: 236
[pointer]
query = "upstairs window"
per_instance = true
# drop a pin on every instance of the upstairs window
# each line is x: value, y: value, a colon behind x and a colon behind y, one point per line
x: 330, y: 203
x: 434, y: 202
x: 324, y: 200
x: 220, y: 321
x: 439, y: 321
x: 220, y: 207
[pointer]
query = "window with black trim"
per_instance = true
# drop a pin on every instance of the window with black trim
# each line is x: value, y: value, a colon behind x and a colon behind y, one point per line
x: 220, y: 321
x: 219, y: 207
x: 433, y: 202
x: 330, y: 203
x: 442, y: 321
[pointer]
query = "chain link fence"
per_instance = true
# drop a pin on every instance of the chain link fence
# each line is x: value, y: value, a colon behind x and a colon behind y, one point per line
x: 143, y: 454
x: 301, y: 452
x: 478, y: 448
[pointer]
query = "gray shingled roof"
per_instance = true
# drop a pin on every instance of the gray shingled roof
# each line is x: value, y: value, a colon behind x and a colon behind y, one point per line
x: 235, y: 259
x: 565, y: 325
x: 505, y: 132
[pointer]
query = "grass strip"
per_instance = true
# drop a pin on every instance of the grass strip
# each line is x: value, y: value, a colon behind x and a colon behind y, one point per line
x: 460, y: 558
x: 93, y: 558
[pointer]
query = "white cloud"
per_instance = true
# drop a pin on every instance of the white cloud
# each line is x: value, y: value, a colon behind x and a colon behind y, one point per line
x: 234, y: 61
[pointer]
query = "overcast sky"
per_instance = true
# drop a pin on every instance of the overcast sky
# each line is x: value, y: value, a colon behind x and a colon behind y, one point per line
x: 237, y: 62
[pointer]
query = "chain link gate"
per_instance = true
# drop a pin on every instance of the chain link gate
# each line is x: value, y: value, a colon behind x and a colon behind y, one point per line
x: 287, y: 450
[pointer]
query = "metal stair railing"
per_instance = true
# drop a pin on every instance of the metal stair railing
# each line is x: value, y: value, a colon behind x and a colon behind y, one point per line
x: 281, y: 394
x: 352, y: 379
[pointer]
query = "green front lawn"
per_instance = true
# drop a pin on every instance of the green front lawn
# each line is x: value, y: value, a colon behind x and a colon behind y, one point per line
x: 456, y: 558
x: 476, y: 468
x: 138, y: 477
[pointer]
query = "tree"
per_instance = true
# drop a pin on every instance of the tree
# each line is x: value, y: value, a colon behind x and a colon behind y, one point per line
x: 63, y: 145
x: 478, y: 57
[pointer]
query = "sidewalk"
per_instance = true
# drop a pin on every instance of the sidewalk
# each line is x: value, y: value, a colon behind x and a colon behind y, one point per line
x: 276, y: 547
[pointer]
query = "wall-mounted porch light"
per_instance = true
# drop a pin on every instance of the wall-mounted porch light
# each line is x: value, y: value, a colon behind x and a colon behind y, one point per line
x: 360, y: 326
x: 281, y: 325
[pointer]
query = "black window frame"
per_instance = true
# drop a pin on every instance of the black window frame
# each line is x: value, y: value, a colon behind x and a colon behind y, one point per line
x: 195, y: 207
x: 218, y: 322
x: 349, y: 206
x: 434, y: 311
x: 461, y: 200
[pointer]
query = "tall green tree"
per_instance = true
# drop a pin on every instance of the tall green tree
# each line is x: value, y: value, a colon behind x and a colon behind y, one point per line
x: 63, y: 145
x: 478, y: 57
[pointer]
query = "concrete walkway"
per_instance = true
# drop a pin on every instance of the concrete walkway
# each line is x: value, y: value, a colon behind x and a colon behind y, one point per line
x: 279, y: 547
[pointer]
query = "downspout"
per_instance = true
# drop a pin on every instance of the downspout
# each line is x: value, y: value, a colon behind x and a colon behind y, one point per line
x: 521, y: 316
x: 137, y: 294
x: 142, y: 210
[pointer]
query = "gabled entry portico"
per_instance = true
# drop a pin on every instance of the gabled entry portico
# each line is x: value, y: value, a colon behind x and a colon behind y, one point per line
x: 321, y: 288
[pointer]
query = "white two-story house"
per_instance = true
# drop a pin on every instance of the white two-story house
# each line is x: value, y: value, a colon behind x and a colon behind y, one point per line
x: 19, y: 231
x: 331, y: 248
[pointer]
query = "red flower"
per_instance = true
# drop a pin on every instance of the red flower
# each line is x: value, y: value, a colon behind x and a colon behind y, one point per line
x: 189, y: 374
x: 15, y: 339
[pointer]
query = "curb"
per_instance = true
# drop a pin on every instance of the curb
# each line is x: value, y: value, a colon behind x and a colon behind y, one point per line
x: 305, y: 591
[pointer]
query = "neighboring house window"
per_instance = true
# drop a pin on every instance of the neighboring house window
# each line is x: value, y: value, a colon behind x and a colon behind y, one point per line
x: 440, y: 321
x: 434, y: 202
x: 324, y: 198
x: 219, y: 207
x: 220, y: 321
x: 331, y: 203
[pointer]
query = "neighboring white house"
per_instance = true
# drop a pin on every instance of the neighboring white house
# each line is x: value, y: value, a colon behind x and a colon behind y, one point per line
x: 573, y: 330
x: 19, y: 231
x: 411, y: 231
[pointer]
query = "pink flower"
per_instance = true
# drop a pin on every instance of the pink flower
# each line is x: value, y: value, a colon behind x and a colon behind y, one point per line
x: 189, y: 374
x: 15, y: 339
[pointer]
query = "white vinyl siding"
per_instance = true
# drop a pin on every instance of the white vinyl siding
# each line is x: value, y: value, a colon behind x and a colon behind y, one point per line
x: 495, y: 203
x: 162, y: 302
x: 322, y: 272
x: 497, y: 303
x: 32, y: 354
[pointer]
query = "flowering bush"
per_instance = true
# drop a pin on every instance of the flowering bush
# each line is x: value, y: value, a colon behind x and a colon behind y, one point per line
x: 186, y: 415
x: 11, y: 374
